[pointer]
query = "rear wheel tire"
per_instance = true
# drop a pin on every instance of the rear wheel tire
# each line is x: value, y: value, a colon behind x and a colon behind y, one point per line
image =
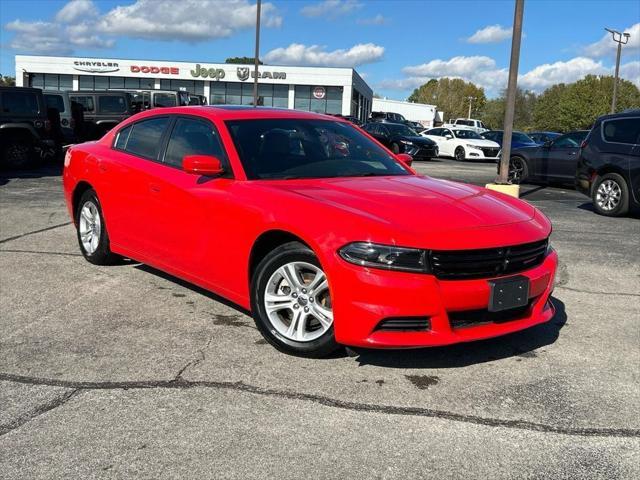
x: 518, y: 170
x: 610, y: 195
x: 18, y: 154
x: 291, y: 304
x: 459, y: 154
x: 91, y: 230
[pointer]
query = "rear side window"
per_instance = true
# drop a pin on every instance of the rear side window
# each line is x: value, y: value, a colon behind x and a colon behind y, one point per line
x: 192, y: 137
x: 144, y: 138
x: 85, y: 101
x: 55, y: 101
x: 624, y: 130
x: 112, y: 104
x: 20, y: 103
x: 164, y: 100
x: 121, y: 139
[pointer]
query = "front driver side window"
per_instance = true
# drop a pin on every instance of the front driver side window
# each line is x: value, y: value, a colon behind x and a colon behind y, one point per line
x: 192, y: 137
x: 565, y: 141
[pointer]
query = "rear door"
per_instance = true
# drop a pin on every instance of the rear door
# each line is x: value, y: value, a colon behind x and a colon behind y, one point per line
x: 129, y: 175
x: 560, y: 159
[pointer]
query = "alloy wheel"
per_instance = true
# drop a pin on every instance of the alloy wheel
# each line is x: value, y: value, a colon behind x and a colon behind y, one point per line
x: 608, y: 195
x: 516, y: 169
x: 90, y: 227
x: 298, y: 303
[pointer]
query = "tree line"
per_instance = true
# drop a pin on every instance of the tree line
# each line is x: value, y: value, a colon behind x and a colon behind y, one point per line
x: 561, y: 108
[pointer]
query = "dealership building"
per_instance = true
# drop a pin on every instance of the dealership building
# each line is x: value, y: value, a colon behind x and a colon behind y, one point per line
x: 317, y: 89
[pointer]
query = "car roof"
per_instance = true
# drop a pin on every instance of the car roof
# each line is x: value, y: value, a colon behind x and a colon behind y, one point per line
x: 627, y: 113
x: 237, y: 112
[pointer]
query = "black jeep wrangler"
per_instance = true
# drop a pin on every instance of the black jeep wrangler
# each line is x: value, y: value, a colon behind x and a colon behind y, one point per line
x: 24, y: 127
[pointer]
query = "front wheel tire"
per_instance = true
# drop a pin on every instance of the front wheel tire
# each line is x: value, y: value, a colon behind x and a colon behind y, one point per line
x: 91, y: 229
x: 291, y: 302
x: 611, y: 195
x: 460, y: 155
x: 518, y: 170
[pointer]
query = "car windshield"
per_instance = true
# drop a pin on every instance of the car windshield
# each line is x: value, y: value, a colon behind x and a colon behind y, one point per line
x: 467, y: 134
x: 303, y: 148
x: 403, y: 130
x: 521, y: 137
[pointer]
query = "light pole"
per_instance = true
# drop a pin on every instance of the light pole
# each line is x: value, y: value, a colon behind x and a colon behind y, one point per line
x: 503, y: 176
x: 256, y: 60
x: 618, y: 38
x: 470, y: 101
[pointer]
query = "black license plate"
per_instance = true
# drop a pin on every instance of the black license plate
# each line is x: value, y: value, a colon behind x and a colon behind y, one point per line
x: 508, y: 293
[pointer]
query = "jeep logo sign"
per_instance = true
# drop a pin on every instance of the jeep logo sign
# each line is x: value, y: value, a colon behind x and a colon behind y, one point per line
x: 212, y: 73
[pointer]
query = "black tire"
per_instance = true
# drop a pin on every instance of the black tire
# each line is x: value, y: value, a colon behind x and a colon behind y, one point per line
x: 289, y: 252
x: 518, y: 170
x: 395, y: 148
x: 459, y: 154
x: 619, y: 204
x: 102, y: 254
x: 18, y: 153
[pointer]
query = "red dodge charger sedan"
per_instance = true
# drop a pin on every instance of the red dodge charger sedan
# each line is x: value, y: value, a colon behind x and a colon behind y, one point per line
x: 312, y: 225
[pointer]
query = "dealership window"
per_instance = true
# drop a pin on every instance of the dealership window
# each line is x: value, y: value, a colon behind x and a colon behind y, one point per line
x: 51, y: 81
x: 116, y: 82
x: 318, y: 99
x: 89, y: 82
x: 192, y: 86
x: 132, y: 83
x: 269, y: 95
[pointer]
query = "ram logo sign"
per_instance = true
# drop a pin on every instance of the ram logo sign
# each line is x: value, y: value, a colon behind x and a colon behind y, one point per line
x: 245, y: 72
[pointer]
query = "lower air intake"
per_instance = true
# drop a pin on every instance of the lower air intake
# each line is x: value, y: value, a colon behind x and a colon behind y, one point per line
x: 404, y: 324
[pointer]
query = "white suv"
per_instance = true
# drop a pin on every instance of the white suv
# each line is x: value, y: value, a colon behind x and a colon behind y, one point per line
x: 463, y: 144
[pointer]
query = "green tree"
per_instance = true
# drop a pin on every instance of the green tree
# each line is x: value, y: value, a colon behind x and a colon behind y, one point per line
x: 493, y: 113
x: 450, y: 95
x: 574, y: 106
x: 242, y: 60
x: 7, y: 81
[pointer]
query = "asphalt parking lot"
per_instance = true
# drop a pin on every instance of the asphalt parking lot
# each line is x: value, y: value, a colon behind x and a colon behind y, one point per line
x: 124, y: 372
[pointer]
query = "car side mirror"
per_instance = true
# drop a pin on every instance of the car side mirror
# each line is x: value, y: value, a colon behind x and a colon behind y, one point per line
x: 206, y: 165
x: 448, y: 137
x: 405, y: 158
x: 547, y: 144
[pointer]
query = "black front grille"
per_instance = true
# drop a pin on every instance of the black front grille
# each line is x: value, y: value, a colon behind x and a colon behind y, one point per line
x: 473, y: 318
x: 398, y: 324
x: 486, y: 263
x: 490, y: 152
x: 427, y: 152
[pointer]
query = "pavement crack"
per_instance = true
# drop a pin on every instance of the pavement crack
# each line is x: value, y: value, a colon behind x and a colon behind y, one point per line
x: 40, y: 410
x: 39, y: 252
x: 180, y: 383
x: 16, y: 237
x: 200, y: 358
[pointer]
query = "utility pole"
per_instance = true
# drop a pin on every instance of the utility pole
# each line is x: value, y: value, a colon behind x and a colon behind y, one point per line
x: 470, y: 101
x: 618, y: 38
x: 256, y: 59
x: 503, y: 176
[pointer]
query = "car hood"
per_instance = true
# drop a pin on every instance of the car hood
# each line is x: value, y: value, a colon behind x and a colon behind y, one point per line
x: 418, y: 206
x: 418, y: 140
x: 480, y: 143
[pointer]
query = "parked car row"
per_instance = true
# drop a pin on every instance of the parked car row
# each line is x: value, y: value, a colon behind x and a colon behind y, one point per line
x: 36, y: 124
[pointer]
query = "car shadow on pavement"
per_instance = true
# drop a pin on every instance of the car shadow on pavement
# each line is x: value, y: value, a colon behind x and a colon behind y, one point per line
x: 50, y: 170
x: 192, y: 287
x: 518, y: 344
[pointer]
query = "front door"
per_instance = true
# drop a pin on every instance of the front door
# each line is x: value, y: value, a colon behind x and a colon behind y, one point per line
x: 560, y: 159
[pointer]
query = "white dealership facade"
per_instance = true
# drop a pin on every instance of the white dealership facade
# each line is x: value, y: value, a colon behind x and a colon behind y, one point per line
x: 318, y: 89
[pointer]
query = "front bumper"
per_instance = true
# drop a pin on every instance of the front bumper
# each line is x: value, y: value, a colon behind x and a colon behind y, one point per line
x: 363, y: 297
x: 491, y: 154
x: 422, y: 152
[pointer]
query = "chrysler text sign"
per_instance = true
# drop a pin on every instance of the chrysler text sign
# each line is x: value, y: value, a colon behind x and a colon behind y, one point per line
x: 95, y: 66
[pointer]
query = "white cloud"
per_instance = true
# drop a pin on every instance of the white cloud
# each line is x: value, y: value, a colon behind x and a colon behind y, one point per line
x: 490, y: 34
x: 331, y: 8
x: 190, y: 20
x: 455, y: 67
x: 543, y: 76
x: 483, y: 72
x: 606, y: 46
x: 76, y: 10
x: 631, y: 71
x: 52, y: 38
x: 379, y: 19
x: 298, y: 54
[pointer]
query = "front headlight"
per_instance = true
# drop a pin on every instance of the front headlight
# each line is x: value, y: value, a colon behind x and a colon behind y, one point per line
x: 387, y: 257
x: 469, y: 145
x: 406, y: 142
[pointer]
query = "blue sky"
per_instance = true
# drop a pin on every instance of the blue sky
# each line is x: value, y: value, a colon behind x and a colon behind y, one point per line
x: 396, y: 45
